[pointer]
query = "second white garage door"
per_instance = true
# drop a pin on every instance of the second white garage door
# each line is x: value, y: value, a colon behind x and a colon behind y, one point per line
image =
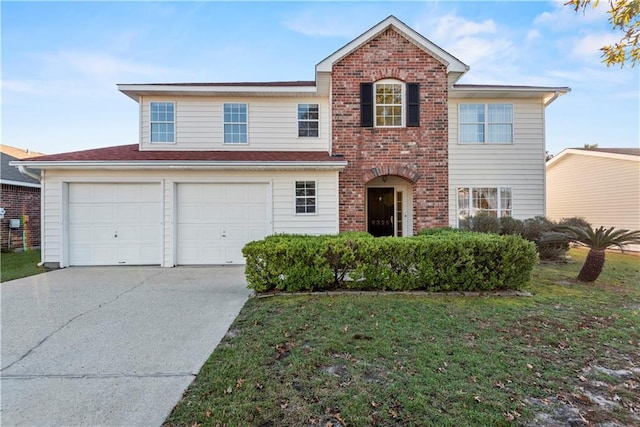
x: 216, y: 220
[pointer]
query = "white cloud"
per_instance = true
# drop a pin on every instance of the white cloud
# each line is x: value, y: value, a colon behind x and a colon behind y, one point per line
x: 532, y: 35
x: 47, y: 87
x: 588, y: 46
x: 487, y: 49
x: 566, y: 17
x: 453, y: 27
x: 100, y: 65
x: 318, y: 23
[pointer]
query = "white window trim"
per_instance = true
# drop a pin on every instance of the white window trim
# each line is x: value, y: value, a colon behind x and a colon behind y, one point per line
x: 486, y: 123
x: 298, y: 120
x: 470, y: 200
x: 295, y: 197
x: 175, y: 127
x: 403, y: 113
x: 246, y: 104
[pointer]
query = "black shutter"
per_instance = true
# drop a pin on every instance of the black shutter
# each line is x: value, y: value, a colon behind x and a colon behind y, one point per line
x: 366, y: 105
x: 413, y: 104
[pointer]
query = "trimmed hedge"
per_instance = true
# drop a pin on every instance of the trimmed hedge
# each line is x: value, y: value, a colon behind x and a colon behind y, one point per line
x: 444, y: 261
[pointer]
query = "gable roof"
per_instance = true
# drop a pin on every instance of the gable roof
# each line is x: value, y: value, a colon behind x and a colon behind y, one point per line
x: 632, y: 154
x: 454, y: 65
x: 128, y: 156
x: 11, y: 176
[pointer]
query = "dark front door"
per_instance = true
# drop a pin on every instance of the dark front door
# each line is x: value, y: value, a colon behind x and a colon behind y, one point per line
x: 380, y: 211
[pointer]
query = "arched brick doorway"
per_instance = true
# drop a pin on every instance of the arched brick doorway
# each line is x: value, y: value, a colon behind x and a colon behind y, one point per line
x: 389, y: 206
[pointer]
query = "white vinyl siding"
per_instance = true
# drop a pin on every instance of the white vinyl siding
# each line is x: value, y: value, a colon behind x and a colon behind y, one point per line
x: 281, y: 196
x: 518, y: 166
x: 272, y: 124
x: 603, y: 190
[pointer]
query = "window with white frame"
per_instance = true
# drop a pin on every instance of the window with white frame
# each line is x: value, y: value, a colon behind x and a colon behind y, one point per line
x: 235, y: 123
x: 308, y: 120
x: 494, y: 201
x: 485, y: 123
x: 305, y: 197
x: 389, y: 103
x: 162, y: 119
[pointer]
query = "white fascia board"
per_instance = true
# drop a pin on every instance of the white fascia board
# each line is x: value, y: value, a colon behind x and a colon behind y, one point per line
x: 222, y: 165
x: 19, y: 183
x: 454, y: 65
x: 468, y: 91
x: 134, y: 91
x: 601, y: 154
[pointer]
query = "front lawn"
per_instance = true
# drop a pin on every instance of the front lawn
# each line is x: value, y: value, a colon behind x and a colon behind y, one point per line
x: 19, y: 264
x: 568, y: 355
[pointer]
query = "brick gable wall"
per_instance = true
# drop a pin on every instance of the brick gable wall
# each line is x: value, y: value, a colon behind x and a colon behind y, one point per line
x: 20, y: 203
x: 417, y: 154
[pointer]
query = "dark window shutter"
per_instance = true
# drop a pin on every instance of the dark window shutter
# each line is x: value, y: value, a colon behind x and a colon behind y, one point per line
x: 413, y: 104
x: 366, y: 105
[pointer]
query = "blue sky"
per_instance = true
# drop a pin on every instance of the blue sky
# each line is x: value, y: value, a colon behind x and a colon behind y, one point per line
x: 61, y: 61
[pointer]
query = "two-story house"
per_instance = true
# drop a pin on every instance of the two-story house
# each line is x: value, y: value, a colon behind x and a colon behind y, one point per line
x: 383, y: 141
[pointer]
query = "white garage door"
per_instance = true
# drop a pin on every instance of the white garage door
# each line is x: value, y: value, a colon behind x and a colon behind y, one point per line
x: 114, y: 224
x: 216, y: 220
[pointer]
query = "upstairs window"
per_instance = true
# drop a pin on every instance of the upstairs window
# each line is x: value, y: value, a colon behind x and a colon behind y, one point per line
x: 305, y: 197
x: 162, y: 122
x: 494, y: 201
x: 486, y: 123
x: 389, y: 103
x: 308, y: 120
x: 235, y: 123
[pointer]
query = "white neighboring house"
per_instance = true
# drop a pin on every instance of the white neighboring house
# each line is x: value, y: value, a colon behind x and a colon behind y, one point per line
x: 383, y: 140
x: 601, y: 185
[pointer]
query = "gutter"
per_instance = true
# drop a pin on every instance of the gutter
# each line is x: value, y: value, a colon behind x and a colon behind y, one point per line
x: 219, y: 165
x: 555, y: 96
x: 23, y: 170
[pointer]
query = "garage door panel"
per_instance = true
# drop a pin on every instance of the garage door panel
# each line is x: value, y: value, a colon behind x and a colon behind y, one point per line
x: 211, y: 213
x: 103, y: 193
x: 216, y: 220
x: 114, y: 223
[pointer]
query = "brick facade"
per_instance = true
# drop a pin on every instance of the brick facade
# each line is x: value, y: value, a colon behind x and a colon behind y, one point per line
x: 20, y: 203
x: 417, y: 154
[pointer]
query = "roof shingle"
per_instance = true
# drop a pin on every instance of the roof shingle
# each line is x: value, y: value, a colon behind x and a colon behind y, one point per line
x: 131, y: 153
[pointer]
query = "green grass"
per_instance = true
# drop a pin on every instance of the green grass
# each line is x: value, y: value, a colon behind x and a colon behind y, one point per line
x: 15, y: 265
x: 431, y: 360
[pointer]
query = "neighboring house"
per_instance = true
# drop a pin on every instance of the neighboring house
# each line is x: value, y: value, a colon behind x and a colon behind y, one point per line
x: 383, y: 140
x: 601, y: 185
x: 20, y: 199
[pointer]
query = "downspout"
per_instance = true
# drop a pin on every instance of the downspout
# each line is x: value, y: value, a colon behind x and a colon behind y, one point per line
x: 553, y: 98
x: 23, y: 170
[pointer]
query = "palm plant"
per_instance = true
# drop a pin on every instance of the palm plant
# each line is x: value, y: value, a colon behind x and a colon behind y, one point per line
x: 597, y: 240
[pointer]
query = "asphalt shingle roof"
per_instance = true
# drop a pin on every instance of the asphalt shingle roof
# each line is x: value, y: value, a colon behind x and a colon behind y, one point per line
x: 131, y: 153
x: 11, y: 173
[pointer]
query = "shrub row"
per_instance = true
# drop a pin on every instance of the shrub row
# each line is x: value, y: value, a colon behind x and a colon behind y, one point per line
x: 533, y: 229
x: 444, y: 261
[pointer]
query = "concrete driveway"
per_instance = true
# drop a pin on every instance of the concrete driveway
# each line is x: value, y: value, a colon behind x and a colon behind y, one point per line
x: 110, y: 345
